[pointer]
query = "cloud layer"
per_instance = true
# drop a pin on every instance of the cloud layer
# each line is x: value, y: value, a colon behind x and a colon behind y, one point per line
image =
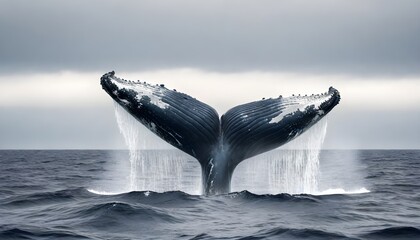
x: 379, y: 37
x: 220, y: 90
x: 70, y: 110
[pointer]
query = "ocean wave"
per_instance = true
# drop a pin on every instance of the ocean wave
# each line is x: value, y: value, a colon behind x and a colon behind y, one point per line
x: 104, y: 214
x: 246, y: 195
x: 37, y: 199
x: 151, y: 197
x: 29, y: 232
x: 303, y: 197
x: 400, y: 232
x: 293, y: 233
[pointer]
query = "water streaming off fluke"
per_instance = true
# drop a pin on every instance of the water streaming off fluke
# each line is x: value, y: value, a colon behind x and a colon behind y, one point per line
x: 160, y: 171
x: 129, y: 128
x: 293, y: 169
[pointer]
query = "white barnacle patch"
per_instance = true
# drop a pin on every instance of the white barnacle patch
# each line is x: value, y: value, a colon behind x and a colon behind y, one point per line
x: 154, y: 99
x: 244, y: 117
x: 125, y: 101
x: 280, y: 117
x: 152, y: 127
x: 294, y: 104
x: 142, y: 90
x: 318, y: 116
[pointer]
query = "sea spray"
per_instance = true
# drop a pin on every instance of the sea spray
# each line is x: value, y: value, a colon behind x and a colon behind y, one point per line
x: 294, y: 168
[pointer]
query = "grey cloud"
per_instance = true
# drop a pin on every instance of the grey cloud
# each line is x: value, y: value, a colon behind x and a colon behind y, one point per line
x: 378, y: 37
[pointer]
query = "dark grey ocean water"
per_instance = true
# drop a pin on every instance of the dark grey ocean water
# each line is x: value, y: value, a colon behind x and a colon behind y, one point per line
x: 44, y: 195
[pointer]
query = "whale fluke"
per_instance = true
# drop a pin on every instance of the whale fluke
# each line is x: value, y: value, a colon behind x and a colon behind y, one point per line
x: 218, y: 144
x: 182, y: 121
x: 257, y: 127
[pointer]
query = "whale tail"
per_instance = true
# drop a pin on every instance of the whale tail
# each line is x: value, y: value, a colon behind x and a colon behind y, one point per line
x: 218, y: 144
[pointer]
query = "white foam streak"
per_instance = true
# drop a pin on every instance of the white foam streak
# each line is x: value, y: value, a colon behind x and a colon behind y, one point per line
x: 99, y: 192
x: 333, y: 191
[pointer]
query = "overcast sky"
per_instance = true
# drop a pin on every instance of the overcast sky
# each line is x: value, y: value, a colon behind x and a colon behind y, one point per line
x: 52, y: 54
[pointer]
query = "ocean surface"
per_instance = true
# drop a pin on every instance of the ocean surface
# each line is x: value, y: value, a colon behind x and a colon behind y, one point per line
x: 87, y: 194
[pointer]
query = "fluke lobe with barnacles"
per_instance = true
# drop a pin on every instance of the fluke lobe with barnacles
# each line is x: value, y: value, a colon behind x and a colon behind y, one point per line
x: 219, y: 144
